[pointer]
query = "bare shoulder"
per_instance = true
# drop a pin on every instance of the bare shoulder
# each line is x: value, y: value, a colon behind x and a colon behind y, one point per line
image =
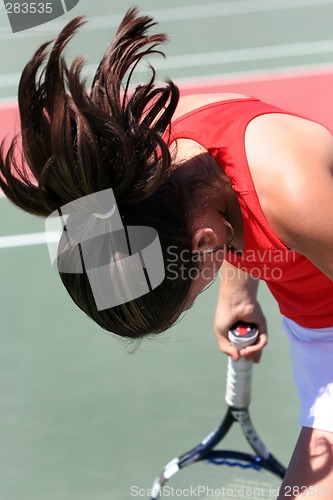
x: 286, y: 149
x: 190, y: 102
x: 291, y: 163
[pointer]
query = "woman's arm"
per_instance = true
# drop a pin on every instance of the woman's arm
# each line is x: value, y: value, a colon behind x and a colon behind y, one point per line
x: 306, y: 215
x: 237, y: 301
x: 293, y: 176
x: 291, y: 162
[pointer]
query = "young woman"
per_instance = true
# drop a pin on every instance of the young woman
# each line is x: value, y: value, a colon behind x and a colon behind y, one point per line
x: 225, y: 179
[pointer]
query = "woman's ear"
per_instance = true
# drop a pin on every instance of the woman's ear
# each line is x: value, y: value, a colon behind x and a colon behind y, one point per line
x: 204, y: 240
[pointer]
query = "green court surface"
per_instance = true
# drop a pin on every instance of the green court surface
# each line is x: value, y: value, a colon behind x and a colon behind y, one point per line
x: 83, y: 417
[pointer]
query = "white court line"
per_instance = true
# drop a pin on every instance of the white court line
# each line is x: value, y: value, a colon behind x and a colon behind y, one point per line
x: 280, y: 72
x: 8, y: 102
x: 24, y: 240
x: 176, y: 14
x: 260, y: 75
x: 9, y: 80
x: 211, y: 10
x: 299, y: 71
x: 217, y: 58
x: 250, y: 54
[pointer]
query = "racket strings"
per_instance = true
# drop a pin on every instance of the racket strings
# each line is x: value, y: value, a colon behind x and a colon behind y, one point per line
x: 207, y: 481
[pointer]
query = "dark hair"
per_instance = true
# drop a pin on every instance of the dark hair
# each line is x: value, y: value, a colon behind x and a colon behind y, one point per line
x: 75, y: 143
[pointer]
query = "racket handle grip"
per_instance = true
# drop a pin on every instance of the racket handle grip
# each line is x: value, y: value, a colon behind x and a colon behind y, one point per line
x: 239, y: 376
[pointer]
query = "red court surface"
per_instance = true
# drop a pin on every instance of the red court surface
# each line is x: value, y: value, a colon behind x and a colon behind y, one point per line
x: 8, y: 120
x: 307, y: 93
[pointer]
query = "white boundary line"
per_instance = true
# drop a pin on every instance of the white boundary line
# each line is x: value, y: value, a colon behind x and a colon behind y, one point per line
x: 24, y: 240
x: 210, y: 10
x: 8, y: 102
x: 177, y: 14
x: 248, y: 54
x: 236, y: 76
x: 215, y: 58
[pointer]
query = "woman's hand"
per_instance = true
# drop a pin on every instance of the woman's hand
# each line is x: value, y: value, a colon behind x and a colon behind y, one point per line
x: 238, y: 302
x: 225, y: 318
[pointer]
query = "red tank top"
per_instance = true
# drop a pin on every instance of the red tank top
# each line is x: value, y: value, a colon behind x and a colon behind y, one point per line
x: 304, y: 293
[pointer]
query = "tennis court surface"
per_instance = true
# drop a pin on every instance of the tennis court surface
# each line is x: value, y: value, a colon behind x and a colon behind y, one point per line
x: 81, y: 417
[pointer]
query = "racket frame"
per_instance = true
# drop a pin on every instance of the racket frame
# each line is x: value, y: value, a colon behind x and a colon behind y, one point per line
x: 239, y: 391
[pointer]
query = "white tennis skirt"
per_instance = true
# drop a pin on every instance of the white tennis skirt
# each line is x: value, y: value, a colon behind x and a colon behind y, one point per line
x: 312, y: 361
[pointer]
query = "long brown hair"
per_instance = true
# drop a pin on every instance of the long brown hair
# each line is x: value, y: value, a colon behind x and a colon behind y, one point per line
x: 76, y: 142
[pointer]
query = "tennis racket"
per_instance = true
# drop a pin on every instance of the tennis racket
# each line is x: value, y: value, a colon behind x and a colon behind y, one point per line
x: 208, y: 473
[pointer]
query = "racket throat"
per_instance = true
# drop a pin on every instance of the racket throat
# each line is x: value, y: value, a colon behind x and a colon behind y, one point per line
x: 243, y: 418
